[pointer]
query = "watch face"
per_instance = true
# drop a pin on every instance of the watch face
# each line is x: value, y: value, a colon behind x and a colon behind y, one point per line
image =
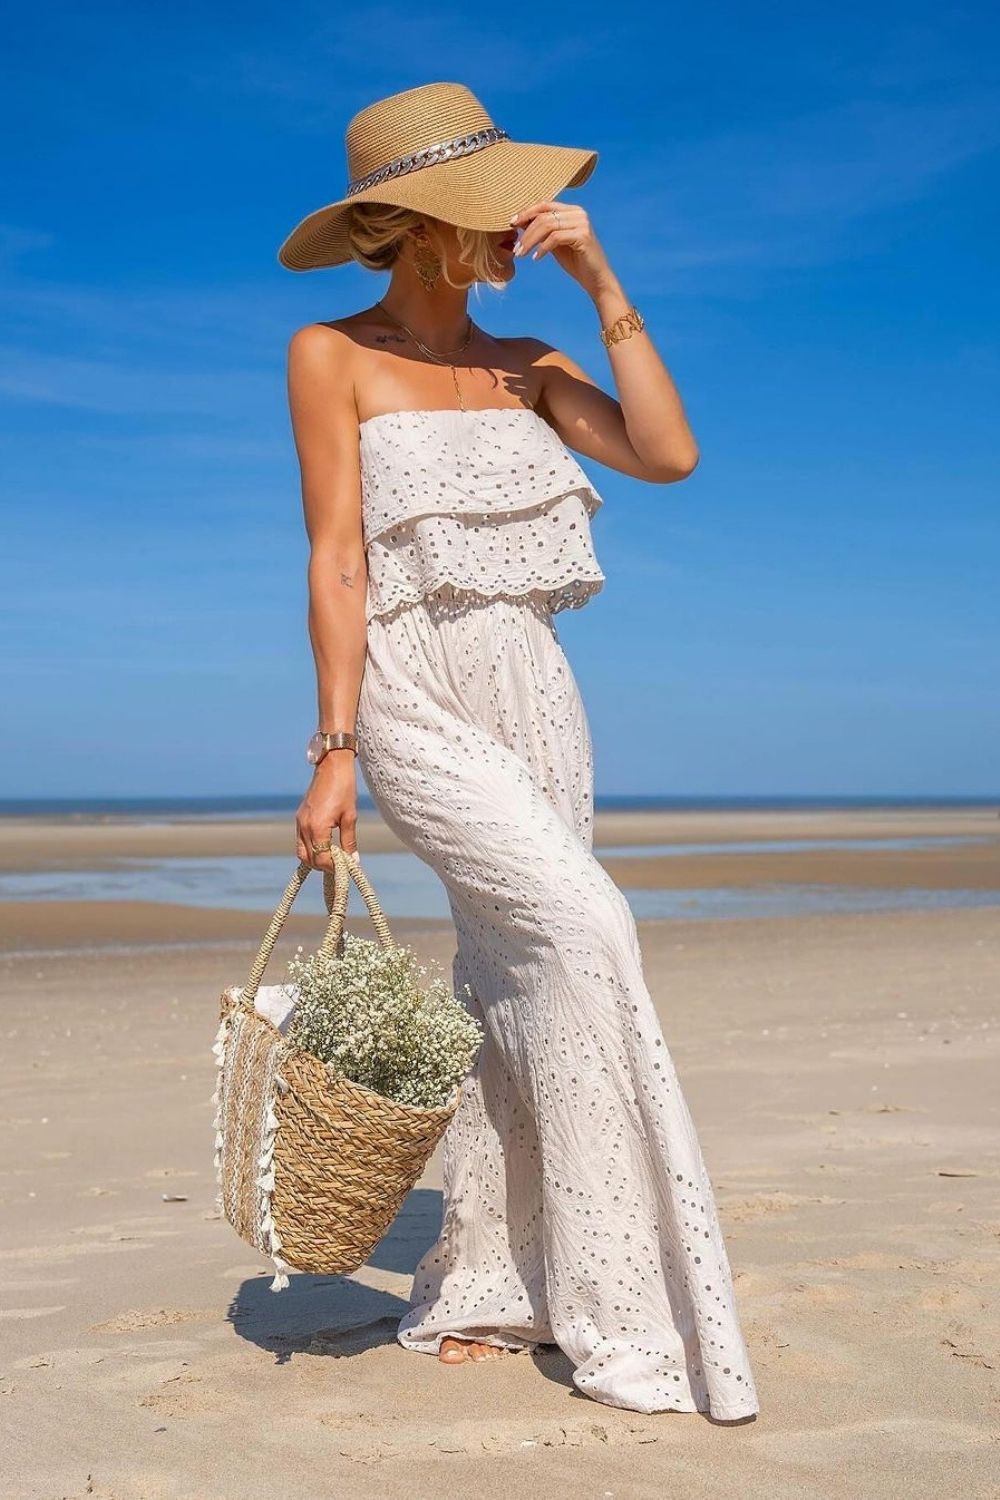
x: 315, y: 749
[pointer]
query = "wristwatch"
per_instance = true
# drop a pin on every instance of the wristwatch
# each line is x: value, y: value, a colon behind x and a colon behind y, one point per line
x: 320, y: 743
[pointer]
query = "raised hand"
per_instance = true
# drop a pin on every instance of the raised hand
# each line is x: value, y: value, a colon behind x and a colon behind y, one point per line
x: 563, y: 230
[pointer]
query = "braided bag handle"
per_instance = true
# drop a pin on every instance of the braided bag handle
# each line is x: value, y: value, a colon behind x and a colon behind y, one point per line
x: 344, y: 871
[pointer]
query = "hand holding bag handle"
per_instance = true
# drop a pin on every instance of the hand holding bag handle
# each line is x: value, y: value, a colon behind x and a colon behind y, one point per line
x: 345, y: 869
x: 312, y: 1167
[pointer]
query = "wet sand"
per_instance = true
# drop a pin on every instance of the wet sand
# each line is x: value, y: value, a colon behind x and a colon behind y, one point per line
x: 79, y: 843
x: 42, y: 844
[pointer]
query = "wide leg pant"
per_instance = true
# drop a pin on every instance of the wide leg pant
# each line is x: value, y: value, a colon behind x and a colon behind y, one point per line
x: 577, y: 1206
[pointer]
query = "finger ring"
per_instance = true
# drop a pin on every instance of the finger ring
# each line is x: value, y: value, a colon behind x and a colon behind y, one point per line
x: 556, y: 217
x: 322, y: 848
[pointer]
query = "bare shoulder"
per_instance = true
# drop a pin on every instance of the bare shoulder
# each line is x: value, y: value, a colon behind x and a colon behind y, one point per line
x: 541, y: 365
x: 536, y: 354
x: 561, y: 384
x: 321, y: 345
x: 526, y: 351
x: 323, y: 362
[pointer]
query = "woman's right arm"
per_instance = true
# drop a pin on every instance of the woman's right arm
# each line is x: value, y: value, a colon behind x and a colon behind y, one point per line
x: 325, y: 426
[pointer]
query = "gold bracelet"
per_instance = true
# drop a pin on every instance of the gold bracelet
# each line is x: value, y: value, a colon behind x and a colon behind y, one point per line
x: 624, y: 327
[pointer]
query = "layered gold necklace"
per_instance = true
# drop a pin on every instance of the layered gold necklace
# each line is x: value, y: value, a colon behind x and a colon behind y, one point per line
x: 441, y: 359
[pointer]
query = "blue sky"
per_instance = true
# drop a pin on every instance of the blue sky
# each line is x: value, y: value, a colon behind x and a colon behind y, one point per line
x: 803, y: 202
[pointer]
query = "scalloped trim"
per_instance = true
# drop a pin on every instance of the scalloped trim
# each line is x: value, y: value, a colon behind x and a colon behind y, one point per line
x: 571, y: 594
x: 463, y: 505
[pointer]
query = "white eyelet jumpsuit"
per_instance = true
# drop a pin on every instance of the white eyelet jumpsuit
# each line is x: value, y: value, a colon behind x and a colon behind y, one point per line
x: 577, y: 1207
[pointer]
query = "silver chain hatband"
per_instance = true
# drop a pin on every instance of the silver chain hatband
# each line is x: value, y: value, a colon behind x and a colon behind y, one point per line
x: 459, y: 145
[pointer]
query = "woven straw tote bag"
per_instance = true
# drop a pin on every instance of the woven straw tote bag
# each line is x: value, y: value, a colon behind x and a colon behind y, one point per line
x: 311, y: 1169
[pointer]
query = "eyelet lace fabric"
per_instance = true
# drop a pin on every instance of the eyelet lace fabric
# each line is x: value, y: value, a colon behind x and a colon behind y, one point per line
x: 578, y: 1209
x: 489, y: 500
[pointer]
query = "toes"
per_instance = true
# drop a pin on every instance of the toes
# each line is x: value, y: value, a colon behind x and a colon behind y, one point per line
x: 452, y: 1352
x: 455, y: 1351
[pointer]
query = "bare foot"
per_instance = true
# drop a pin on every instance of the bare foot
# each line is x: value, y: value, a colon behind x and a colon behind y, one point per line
x: 454, y: 1351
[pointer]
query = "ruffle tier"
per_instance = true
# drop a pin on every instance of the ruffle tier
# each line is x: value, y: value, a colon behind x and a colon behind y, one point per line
x: 488, y: 501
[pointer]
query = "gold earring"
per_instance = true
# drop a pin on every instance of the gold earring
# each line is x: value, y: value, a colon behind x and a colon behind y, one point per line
x: 427, y: 264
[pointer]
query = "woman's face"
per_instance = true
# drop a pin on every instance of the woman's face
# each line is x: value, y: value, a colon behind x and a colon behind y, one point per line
x: 502, y: 242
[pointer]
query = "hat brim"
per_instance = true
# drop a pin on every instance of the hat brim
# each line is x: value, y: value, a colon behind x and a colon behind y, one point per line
x: 479, y: 191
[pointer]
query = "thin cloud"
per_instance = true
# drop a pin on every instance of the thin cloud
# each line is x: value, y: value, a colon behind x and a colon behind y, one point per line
x: 319, y: 73
x: 792, y: 193
x: 122, y: 389
x: 16, y: 241
x: 225, y: 316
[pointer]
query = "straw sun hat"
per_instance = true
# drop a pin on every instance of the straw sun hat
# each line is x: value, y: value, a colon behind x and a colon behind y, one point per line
x: 434, y: 149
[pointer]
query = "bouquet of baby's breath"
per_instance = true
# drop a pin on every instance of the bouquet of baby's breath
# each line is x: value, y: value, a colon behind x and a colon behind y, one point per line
x: 376, y: 1016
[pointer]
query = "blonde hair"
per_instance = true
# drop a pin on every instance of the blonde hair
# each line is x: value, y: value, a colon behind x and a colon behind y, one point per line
x: 376, y: 231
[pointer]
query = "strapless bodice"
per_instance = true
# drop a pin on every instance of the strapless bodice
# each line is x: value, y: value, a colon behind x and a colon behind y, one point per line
x: 490, y: 501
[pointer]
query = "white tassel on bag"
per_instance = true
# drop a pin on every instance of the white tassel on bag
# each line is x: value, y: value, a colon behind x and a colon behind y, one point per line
x: 219, y: 1053
x: 265, y: 1162
x: 266, y: 1183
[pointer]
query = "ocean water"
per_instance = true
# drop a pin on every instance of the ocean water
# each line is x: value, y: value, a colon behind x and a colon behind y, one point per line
x: 408, y: 888
x: 788, y: 846
x: 281, y: 804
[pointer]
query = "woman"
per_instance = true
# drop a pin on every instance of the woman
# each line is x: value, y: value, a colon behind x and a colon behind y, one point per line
x: 448, y: 523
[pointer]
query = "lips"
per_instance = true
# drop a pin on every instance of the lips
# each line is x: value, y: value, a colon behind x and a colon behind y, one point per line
x: 508, y: 242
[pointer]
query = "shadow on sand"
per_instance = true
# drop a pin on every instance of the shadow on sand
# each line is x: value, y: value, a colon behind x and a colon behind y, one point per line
x: 338, y: 1316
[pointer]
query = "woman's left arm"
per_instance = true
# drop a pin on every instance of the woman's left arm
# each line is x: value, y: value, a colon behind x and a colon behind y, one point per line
x: 645, y: 433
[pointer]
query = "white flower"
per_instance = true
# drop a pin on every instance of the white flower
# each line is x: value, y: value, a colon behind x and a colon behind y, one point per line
x: 374, y: 1016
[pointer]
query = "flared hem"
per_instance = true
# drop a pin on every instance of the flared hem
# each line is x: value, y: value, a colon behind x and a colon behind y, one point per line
x: 738, y: 1413
x: 681, y: 1407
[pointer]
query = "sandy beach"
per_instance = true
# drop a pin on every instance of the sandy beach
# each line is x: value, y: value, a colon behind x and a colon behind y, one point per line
x: 842, y: 1073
